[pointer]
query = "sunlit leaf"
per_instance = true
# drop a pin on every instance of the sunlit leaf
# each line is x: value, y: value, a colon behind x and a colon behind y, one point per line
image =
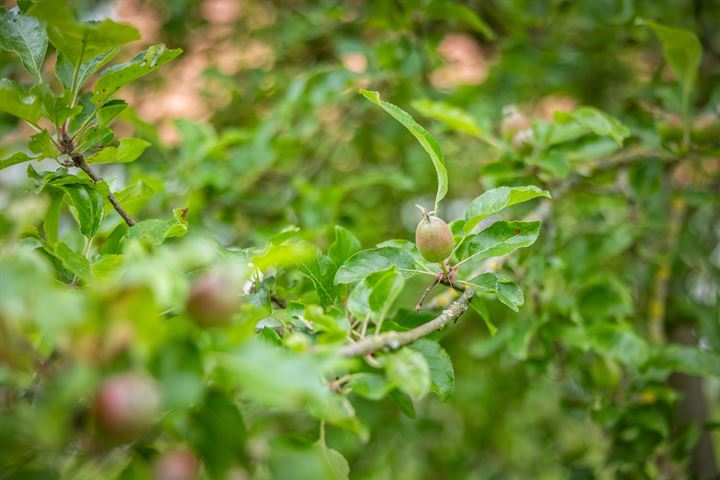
x: 427, y: 141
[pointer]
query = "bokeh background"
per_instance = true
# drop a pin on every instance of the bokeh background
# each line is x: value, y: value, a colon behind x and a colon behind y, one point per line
x: 258, y: 125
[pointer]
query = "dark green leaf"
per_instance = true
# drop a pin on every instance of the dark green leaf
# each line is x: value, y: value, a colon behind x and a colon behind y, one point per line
x: 217, y: 433
x: 501, y: 238
x: 344, y: 246
x: 25, y: 36
x: 442, y: 375
x: 403, y: 400
x: 321, y: 271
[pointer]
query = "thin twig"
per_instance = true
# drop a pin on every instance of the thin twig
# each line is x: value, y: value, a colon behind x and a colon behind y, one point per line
x: 426, y: 293
x: 277, y: 300
x: 80, y: 162
x: 395, y: 340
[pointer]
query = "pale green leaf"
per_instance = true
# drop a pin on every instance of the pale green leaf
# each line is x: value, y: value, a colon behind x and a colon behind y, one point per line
x: 427, y: 141
x: 597, y: 122
x: 409, y: 372
x: 14, y: 159
x: 127, y: 151
x: 495, y: 200
x: 369, y: 385
x: 114, y: 78
x: 15, y: 101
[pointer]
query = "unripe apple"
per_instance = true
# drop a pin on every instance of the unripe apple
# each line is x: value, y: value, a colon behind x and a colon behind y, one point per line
x: 176, y: 465
x: 213, y: 299
x: 126, y: 407
x: 433, y: 237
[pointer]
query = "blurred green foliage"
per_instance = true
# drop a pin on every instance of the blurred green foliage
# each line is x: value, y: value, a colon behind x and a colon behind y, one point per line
x: 252, y: 155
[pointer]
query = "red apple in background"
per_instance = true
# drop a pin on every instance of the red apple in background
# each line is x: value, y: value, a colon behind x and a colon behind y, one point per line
x: 126, y: 406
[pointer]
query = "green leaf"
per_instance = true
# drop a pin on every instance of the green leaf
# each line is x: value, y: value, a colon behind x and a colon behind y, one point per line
x: 65, y: 69
x: 25, y: 36
x: 501, y: 238
x: 73, y: 261
x: 321, y: 271
x: 409, y: 372
x: 291, y: 459
x: 296, y: 383
x: 404, y: 402
x: 55, y: 109
x: 366, y: 262
x: 478, y: 304
x: 87, y: 203
x: 15, y: 101
x: 128, y: 151
x: 442, y: 375
x: 683, y: 53
x: 618, y: 342
x: 376, y: 294
x: 457, y: 11
x: 597, y: 122
x: 14, y: 159
x: 78, y: 41
x: 688, y: 360
x: 427, y: 141
x: 456, y: 118
x: 510, y: 294
x: 217, y: 421
x: 109, y: 110
x: 95, y: 137
x: 156, y: 231
x: 344, y: 246
x: 495, y: 200
x: 42, y: 145
x: 114, y: 78
x: 506, y: 291
x: 133, y: 195
x: 51, y: 223
x: 338, y: 465
x: 369, y: 385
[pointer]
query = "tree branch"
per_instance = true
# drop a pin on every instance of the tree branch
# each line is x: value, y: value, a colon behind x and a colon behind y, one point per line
x: 395, y: 340
x: 80, y: 162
